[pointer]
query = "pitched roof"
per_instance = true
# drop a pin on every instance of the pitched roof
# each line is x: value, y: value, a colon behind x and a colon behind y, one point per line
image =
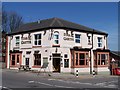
x: 54, y: 23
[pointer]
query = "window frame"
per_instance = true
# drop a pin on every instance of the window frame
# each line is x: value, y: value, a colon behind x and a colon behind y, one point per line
x: 38, y: 39
x: 56, y: 39
x: 99, y: 59
x: 77, y: 60
x: 99, y: 42
x: 78, y: 38
x: 66, y: 63
x: 17, y: 41
x: 89, y: 40
x: 37, y: 60
x: 13, y: 60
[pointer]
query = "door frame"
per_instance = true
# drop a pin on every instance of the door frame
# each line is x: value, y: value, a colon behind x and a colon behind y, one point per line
x: 53, y: 59
x: 20, y: 59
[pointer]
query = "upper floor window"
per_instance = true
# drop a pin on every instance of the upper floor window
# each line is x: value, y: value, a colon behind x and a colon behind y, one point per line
x: 56, y: 38
x: 37, y: 39
x: 99, y: 41
x: 77, y: 38
x: 17, y: 41
x: 89, y: 39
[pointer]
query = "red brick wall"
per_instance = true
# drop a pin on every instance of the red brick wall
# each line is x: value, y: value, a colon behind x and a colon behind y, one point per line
x: 6, y: 57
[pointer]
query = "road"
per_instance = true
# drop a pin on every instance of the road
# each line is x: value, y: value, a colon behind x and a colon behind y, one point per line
x: 12, y: 79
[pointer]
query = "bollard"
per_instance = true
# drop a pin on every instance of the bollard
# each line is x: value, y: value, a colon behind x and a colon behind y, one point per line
x: 93, y: 73
x: 76, y: 73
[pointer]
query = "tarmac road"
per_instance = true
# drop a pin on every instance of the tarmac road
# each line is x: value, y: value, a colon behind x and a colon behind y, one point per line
x: 12, y: 79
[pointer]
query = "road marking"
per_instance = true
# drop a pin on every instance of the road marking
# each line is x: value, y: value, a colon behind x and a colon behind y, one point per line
x: 62, y: 86
x: 45, y: 84
x: 103, y: 84
x: 49, y: 84
x: 31, y: 81
x: 70, y: 81
x: 54, y: 85
x: 1, y: 87
x: 51, y: 79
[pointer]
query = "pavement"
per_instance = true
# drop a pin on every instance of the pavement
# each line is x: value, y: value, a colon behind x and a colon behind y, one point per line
x: 63, y: 75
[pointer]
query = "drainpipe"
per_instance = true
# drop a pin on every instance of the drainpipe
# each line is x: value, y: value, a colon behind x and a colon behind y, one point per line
x: 91, y: 55
x: 9, y: 50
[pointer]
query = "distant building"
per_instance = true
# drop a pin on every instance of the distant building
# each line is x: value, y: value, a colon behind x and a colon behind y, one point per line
x: 3, y: 49
x: 0, y: 47
x: 115, y: 57
x: 65, y: 45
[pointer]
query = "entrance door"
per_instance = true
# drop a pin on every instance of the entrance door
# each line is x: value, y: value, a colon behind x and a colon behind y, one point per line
x: 56, y: 62
x: 27, y: 62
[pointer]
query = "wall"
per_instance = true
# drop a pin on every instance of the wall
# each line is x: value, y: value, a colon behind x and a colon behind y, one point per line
x: 46, y: 48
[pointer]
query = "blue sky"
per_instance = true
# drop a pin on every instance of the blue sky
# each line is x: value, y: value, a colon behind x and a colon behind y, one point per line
x: 100, y: 15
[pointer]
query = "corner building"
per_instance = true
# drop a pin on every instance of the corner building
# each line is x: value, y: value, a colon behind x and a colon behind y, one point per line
x: 65, y: 45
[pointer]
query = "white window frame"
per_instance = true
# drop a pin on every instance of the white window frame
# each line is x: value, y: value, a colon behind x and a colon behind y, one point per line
x: 56, y: 39
x: 89, y: 39
x: 99, y: 42
x: 40, y: 39
x: 17, y: 41
x: 78, y: 38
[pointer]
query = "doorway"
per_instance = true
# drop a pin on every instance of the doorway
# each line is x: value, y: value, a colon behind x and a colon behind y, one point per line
x: 56, y: 62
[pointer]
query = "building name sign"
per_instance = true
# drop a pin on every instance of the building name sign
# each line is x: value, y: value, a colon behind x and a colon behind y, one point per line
x: 26, y: 40
x: 68, y: 37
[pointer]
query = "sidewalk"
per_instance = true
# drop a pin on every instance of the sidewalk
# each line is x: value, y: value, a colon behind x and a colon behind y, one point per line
x: 72, y: 76
x: 61, y: 75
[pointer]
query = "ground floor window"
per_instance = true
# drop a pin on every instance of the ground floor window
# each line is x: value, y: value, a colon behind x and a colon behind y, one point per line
x: 81, y: 58
x: 66, y: 63
x: 37, y: 60
x: 13, y: 59
x: 17, y: 58
x: 102, y: 58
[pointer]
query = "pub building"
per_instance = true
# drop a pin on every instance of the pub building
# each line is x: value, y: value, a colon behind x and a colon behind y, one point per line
x: 64, y: 45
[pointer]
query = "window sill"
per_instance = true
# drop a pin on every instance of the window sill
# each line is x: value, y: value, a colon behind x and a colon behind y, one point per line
x: 36, y: 46
x: 82, y: 66
x: 36, y: 66
x: 101, y: 66
x: 56, y: 45
x: 89, y: 43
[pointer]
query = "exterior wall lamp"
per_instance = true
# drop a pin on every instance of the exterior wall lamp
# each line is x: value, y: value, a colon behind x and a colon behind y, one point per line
x: 61, y: 58
x: 50, y: 57
x: 56, y: 50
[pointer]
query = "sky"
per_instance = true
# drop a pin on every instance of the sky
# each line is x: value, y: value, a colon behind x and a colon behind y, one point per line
x: 97, y: 15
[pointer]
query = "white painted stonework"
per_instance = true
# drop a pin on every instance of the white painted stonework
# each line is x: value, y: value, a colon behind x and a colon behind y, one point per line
x: 46, y: 48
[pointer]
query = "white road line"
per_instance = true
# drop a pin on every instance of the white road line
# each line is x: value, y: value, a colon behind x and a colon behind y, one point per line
x: 53, y: 85
x: 102, y: 84
x: 5, y: 88
x: 62, y: 86
x: 49, y: 84
x: 51, y: 79
x: 31, y: 81
x: 45, y: 84
x: 71, y: 82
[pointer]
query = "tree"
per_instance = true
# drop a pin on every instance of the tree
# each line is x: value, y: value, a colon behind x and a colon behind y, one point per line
x: 15, y: 21
x: 11, y: 21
